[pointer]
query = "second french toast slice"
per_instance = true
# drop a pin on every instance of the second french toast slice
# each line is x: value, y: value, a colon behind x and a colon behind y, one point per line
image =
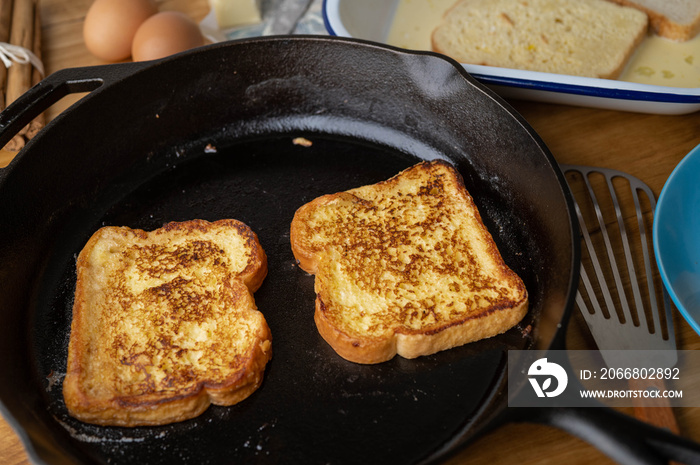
x: 405, y: 266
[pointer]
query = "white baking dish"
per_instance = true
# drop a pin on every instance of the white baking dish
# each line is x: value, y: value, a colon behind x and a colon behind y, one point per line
x: 372, y: 20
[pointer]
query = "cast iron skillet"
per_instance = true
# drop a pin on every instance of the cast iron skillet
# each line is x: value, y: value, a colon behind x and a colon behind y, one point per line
x: 209, y: 134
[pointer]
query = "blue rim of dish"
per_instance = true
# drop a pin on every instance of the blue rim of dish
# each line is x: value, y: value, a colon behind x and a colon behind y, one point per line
x: 562, y: 88
x: 655, y: 237
x: 624, y: 94
x: 326, y: 21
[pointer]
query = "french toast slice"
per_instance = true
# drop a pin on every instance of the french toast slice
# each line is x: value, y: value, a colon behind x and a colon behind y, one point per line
x: 165, y: 323
x: 405, y: 266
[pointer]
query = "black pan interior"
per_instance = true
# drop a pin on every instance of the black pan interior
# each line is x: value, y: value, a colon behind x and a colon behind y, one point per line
x: 219, y: 143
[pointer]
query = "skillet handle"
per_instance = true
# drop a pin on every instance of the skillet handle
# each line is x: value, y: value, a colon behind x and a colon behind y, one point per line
x: 623, y: 438
x: 56, y: 86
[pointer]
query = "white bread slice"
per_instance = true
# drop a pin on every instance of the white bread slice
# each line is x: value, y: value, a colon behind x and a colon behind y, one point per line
x: 164, y: 323
x: 677, y: 20
x: 592, y: 38
x: 405, y: 266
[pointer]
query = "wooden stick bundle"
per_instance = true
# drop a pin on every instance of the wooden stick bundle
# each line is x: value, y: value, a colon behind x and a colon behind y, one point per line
x: 5, y: 22
x: 21, y: 25
x: 40, y: 121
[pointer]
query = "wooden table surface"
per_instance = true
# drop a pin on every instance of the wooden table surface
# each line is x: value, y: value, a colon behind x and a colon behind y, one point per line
x: 646, y: 146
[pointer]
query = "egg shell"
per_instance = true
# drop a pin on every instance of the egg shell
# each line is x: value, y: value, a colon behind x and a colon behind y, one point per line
x: 110, y: 26
x: 164, y: 34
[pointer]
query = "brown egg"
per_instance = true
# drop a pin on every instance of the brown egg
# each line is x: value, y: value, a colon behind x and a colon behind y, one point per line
x: 110, y: 26
x: 164, y: 34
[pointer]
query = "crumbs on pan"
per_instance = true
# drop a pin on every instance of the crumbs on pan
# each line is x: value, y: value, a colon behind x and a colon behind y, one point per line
x: 304, y: 142
x: 54, y: 378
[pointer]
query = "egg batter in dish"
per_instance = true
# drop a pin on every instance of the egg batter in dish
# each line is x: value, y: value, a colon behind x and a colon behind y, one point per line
x: 658, y: 61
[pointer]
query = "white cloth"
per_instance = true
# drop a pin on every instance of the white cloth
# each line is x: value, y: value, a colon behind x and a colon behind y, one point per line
x: 15, y: 54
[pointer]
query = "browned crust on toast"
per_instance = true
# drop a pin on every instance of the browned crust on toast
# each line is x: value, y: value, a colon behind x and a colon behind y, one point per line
x: 155, y: 346
x: 379, y: 322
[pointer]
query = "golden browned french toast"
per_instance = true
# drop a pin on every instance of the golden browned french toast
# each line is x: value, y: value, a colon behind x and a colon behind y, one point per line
x: 165, y: 324
x: 405, y: 266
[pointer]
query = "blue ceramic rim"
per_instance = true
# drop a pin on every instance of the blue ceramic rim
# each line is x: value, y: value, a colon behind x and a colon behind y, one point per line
x: 562, y: 88
x: 655, y: 237
x: 326, y: 21
x: 589, y: 91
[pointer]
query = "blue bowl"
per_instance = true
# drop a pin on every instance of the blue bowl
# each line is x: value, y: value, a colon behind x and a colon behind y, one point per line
x: 677, y: 237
